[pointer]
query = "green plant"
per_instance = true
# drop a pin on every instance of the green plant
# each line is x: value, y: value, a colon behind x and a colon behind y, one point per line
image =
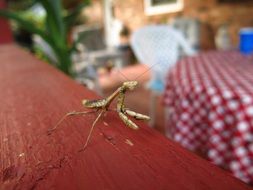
x: 58, y: 22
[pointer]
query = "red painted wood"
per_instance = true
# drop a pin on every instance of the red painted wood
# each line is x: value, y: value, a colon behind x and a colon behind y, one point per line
x: 5, y: 30
x: 33, y: 96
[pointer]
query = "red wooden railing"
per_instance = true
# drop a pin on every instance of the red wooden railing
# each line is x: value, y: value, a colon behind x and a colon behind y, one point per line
x: 5, y: 30
x: 34, y: 95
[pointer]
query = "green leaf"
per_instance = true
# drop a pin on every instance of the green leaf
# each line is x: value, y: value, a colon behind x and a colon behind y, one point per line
x: 54, y: 21
x: 29, y: 26
x: 55, y: 32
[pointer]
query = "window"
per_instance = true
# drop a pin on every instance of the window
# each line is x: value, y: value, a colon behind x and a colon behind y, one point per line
x: 153, y: 7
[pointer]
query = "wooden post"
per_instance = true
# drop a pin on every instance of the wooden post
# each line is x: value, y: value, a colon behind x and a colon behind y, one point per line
x: 5, y: 30
x: 34, y: 96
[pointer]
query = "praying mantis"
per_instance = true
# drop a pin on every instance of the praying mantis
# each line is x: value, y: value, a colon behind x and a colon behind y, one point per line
x: 103, y: 105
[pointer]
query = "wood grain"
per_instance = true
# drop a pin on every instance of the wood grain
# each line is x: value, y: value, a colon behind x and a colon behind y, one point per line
x: 34, y: 96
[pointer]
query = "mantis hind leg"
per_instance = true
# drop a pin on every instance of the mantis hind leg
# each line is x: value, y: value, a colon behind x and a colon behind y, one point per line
x: 91, y: 130
x: 66, y: 115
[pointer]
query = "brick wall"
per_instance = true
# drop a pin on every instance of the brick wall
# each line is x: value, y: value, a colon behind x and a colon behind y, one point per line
x: 211, y: 14
x: 94, y: 13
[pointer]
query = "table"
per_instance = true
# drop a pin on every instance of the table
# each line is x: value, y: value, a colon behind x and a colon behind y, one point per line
x: 210, y: 102
x: 34, y: 95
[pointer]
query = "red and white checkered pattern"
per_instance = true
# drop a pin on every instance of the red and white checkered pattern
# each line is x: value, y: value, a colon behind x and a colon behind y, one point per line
x: 210, y: 98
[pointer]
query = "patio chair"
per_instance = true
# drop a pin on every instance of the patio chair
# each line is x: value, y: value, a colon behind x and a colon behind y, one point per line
x: 158, y: 46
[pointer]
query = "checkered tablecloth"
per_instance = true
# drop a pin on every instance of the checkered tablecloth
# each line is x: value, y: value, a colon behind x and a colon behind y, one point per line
x: 210, y: 103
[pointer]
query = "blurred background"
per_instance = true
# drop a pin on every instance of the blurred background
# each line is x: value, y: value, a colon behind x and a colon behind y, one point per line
x: 194, y: 45
x: 90, y: 40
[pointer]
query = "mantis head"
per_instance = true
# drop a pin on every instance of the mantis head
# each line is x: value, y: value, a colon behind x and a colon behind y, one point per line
x: 130, y: 85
